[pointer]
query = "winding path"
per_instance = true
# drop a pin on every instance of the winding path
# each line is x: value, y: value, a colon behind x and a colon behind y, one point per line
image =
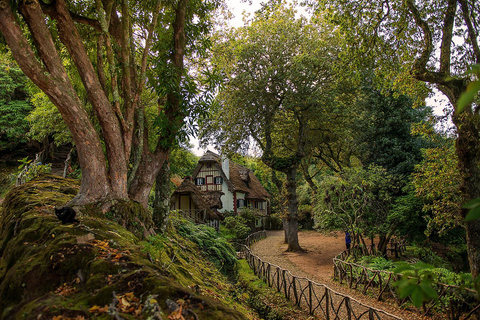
x: 316, y: 264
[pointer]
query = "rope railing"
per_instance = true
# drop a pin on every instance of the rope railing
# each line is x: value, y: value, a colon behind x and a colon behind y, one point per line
x: 318, y: 299
x: 454, y: 301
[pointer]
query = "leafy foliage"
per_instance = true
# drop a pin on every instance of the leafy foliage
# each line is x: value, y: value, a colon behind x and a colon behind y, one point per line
x: 45, y: 121
x: 383, y: 131
x: 358, y: 200
x: 14, y: 104
x: 237, y: 226
x: 217, y: 249
x: 437, y: 182
x: 416, y: 282
x: 376, y: 263
x: 29, y: 170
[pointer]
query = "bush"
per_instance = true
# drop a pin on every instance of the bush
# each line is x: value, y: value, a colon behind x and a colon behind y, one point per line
x: 274, y: 223
x: 217, y: 249
x: 237, y: 227
x: 426, y: 255
x: 29, y: 170
x: 376, y: 263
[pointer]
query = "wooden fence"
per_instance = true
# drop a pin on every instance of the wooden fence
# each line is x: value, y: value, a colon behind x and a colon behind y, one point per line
x: 454, y: 302
x: 318, y: 299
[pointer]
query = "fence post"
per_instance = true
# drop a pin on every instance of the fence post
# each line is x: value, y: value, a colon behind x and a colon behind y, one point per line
x: 284, y: 284
x: 327, y: 303
x: 348, y: 306
x: 269, y: 282
x: 310, y: 297
x: 278, y: 279
x: 295, y: 291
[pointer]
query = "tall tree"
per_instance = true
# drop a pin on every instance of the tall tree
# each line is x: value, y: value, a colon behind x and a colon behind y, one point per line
x: 384, y: 131
x: 410, y: 32
x: 110, y: 45
x: 280, y: 82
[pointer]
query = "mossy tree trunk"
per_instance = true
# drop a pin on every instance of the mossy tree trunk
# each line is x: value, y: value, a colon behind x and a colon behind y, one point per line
x: 161, y: 203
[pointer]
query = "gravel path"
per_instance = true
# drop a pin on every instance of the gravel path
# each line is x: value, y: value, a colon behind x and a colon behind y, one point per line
x: 316, y: 264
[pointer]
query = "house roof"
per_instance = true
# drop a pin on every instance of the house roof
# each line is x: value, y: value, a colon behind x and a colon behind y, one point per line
x: 201, y: 200
x: 244, y: 180
x: 209, y: 156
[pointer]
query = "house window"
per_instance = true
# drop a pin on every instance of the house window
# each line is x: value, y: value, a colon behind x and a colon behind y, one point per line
x: 199, y: 181
x: 241, y: 203
x: 259, y: 205
x: 209, y: 180
x: 218, y: 180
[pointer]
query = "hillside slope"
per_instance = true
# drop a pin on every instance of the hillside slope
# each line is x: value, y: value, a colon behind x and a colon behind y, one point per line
x: 96, y: 268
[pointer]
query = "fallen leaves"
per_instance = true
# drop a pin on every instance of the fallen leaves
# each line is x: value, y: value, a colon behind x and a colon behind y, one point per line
x: 85, y: 239
x: 127, y: 303
x: 109, y: 253
x: 66, y: 289
x: 68, y: 318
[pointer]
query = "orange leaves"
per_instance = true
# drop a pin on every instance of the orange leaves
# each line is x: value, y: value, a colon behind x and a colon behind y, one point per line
x: 68, y: 318
x: 66, y: 289
x: 108, y: 253
x: 127, y: 303
x: 130, y: 304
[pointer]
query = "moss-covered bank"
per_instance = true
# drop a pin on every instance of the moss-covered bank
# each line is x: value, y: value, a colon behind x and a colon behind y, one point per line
x: 97, y: 269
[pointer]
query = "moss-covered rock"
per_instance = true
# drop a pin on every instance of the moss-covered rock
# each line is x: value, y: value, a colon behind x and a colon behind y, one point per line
x: 96, y: 268
x: 129, y: 214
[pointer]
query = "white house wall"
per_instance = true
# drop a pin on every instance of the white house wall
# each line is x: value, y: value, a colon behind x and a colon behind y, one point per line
x: 226, y: 198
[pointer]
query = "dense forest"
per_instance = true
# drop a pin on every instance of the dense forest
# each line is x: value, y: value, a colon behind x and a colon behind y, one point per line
x: 331, y: 109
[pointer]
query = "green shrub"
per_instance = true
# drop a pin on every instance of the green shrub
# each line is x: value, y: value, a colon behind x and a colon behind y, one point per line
x: 216, y: 248
x: 426, y: 255
x: 274, y: 223
x: 237, y: 227
x: 29, y: 170
x: 376, y: 263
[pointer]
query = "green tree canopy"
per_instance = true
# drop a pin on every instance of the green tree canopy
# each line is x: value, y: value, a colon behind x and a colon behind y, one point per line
x: 279, y: 88
x: 433, y: 43
x: 14, y: 104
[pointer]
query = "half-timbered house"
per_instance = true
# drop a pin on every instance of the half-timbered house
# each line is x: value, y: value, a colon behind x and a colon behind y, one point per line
x: 225, y: 186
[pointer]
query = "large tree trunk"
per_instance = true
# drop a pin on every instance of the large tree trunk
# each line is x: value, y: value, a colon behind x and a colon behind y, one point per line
x: 52, y: 79
x: 161, y: 203
x: 468, y: 152
x: 291, y: 223
x: 148, y: 170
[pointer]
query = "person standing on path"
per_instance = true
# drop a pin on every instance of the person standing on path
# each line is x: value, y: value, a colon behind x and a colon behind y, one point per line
x: 348, y: 240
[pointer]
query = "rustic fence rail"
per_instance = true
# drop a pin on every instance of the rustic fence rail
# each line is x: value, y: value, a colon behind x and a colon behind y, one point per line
x: 454, y: 302
x: 317, y: 298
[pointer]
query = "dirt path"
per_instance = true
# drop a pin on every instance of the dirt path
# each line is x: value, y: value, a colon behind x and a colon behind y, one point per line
x: 316, y: 263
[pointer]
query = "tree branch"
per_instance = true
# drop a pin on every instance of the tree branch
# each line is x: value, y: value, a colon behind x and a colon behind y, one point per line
x: 447, y: 34
x: 42, y: 38
x: 472, y: 34
x: 420, y: 65
x: 20, y: 47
